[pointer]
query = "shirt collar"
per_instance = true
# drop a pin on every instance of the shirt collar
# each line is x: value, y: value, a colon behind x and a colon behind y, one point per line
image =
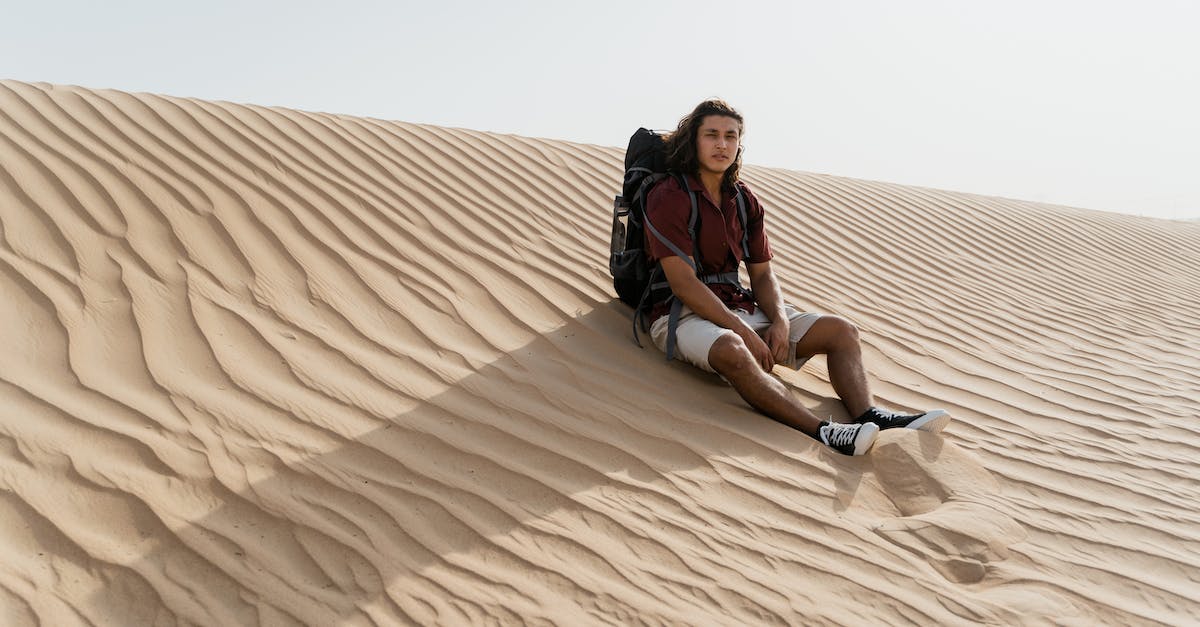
x: 694, y: 183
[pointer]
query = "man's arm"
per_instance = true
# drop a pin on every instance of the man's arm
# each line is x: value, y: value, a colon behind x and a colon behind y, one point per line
x: 770, y: 298
x: 766, y: 290
x: 701, y: 300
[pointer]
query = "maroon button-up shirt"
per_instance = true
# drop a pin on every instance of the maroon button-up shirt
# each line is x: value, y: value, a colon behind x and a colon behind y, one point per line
x: 719, y: 234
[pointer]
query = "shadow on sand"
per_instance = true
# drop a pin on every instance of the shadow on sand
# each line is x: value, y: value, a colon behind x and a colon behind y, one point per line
x: 510, y: 490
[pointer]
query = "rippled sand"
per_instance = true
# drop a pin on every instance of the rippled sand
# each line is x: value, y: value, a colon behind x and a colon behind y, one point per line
x: 263, y: 366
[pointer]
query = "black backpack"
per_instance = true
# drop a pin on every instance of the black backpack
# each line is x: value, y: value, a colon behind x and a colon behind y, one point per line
x: 638, y: 283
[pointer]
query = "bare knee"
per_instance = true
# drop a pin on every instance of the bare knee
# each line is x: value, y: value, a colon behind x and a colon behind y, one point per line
x: 843, y: 333
x: 729, y: 355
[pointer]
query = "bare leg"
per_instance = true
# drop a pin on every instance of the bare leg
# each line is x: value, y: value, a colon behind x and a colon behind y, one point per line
x: 730, y: 357
x: 838, y: 339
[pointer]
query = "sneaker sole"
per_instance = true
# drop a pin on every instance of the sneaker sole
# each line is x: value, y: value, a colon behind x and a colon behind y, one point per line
x: 865, y: 438
x: 932, y: 422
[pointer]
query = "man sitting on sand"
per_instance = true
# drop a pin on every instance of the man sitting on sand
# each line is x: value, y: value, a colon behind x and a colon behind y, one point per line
x: 742, y: 335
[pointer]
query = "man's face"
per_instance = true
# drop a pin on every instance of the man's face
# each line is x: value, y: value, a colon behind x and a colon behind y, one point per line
x: 717, y: 143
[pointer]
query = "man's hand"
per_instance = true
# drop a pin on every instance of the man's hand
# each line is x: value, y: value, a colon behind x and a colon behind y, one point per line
x: 758, y: 348
x: 770, y: 300
x: 776, y: 339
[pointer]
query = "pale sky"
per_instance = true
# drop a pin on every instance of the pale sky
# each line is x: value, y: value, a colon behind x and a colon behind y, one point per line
x: 1084, y: 103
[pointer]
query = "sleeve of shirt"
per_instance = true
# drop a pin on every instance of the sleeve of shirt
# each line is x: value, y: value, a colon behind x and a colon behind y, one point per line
x: 760, y: 248
x: 668, y: 208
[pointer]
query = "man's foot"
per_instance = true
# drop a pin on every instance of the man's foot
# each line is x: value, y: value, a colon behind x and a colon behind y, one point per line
x: 932, y: 421
x: 847, y: 439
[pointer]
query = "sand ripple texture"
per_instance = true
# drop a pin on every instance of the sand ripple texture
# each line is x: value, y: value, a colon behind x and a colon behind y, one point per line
x: 263, y: 366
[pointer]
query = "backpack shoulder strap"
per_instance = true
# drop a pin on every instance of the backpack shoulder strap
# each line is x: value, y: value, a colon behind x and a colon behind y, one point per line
x: 693, y: 219
x: 694, y: 262
x: 741, y: 207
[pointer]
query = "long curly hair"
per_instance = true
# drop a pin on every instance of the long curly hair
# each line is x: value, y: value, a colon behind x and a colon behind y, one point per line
x: 681, y: 143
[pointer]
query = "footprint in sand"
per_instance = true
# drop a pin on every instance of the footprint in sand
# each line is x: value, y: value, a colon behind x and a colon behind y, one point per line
x: 941, y: 492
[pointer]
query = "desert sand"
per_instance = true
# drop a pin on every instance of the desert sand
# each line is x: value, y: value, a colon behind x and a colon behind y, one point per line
x: 265, y: 366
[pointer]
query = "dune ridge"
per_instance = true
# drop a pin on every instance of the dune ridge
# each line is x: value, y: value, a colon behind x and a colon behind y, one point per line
x: 265, y: 366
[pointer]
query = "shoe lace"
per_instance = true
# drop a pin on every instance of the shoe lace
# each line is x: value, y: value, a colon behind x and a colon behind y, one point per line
x: 881, y: 415
x: 841, y: 435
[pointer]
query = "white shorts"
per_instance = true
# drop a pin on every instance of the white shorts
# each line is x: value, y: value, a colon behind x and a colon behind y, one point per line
x: 695, y: 336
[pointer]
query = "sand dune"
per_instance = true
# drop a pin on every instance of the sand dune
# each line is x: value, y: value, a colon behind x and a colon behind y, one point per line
x: 262, y: 366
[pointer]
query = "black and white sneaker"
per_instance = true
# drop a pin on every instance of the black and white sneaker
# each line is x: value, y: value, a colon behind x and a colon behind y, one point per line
x: 932, y: 421
x: 847, y: 439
